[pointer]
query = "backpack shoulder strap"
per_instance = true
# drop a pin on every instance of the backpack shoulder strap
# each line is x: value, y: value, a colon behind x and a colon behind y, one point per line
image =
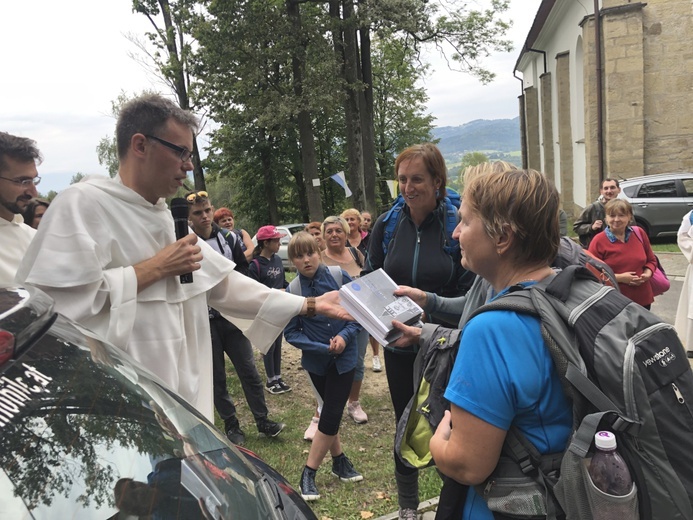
x: 451, y: 245
x: 355, y: 253
x: 295, y: 287
x: 390, y: 220
x: 336, y: 273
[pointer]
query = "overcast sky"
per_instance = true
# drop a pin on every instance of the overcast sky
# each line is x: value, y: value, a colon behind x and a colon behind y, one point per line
x: 65, y: 61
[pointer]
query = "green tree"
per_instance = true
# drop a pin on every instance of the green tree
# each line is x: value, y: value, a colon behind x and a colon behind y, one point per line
x: 76, y: 178
x: 172, y: 47
x: 106, y: 150
x: 399, y: 106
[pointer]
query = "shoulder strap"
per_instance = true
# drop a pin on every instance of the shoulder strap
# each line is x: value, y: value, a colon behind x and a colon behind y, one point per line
x: 295, y: 287
x: 355, y: 253
x: 451, y: 245
x: 336, y: 273
x: 256, y: 263
x: 390, y: 221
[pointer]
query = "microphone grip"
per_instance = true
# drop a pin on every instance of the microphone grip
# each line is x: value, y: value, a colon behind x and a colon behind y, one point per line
x: 181, y: 228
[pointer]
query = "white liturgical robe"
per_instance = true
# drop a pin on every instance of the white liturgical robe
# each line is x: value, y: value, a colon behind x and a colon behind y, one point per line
x: 15, y: 237
x: 83, y: 256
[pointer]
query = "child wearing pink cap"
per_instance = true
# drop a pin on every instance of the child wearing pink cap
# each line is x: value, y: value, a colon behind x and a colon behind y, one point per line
x: 266, y: 267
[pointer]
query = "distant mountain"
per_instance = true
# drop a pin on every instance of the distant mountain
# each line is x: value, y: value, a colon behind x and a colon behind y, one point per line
x: 481, y: 135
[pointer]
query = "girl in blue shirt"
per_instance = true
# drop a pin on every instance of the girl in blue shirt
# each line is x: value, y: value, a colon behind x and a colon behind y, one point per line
x: 330, y: 352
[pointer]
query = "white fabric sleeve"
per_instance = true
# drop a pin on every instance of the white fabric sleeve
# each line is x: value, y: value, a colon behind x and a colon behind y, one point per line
x: 238, y: 296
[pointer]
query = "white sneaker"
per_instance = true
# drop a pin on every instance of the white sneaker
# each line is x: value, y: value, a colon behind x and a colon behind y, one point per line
x: 311, y: 430
x: 377, y: 367
x: 355, y: 411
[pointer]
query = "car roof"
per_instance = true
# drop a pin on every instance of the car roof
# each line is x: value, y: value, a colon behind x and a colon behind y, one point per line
x: 655, y: 177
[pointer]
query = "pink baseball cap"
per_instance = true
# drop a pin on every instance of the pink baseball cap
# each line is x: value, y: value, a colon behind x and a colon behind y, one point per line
x: 268, y: 233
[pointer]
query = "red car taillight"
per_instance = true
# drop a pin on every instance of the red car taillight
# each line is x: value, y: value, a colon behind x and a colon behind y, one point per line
x: 6, y: 346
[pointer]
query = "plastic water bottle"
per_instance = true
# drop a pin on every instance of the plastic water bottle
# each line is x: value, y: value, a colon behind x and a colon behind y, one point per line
x: 610, y: 474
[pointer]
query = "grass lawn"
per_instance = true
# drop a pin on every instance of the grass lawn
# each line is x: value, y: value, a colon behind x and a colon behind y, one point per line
x: 369, y: 446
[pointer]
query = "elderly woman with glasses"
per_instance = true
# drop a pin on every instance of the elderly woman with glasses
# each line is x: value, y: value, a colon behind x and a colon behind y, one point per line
x: 335, y: 231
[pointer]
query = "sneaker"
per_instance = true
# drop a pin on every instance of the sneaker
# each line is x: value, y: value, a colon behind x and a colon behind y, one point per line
x: 234, y: 432
x: 309, y: 491
x: 311, y: 430
x: 269, y: 428
x: 285, y: 387
x: 344, y: 469
x: 407, y: 513
x: 274, y: 388
x: 355, y: 411
x: 377, y: 367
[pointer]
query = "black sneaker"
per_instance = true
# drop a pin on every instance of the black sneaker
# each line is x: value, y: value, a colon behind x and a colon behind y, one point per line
x: 270, y: 428
x: 285, y: 387
x: 309, y: 491
x: 274, y: 388
x: 234, y: 432
x: 344, y: 469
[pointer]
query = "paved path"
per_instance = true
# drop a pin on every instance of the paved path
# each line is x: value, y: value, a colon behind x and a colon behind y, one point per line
x: 674, y: 265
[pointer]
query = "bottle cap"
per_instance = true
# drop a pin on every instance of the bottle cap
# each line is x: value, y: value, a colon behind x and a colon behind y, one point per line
x: 605, y: 440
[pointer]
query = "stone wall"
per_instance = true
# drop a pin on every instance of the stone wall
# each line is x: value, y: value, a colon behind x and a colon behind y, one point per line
x: 547, y: 125
x: 624, y: 97
x: 668, y: 85
x: 532, y: 128
x: 565, y: 132
x: 590, y: 110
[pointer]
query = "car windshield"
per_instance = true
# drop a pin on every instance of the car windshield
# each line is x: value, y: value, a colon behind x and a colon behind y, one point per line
x: 85, y: 434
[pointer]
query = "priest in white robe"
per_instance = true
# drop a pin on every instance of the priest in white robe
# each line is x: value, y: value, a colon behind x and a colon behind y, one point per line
x: 107, y: 254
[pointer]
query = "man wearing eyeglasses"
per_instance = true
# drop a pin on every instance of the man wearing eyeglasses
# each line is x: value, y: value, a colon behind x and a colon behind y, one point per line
x: 18, y: 180
x: 107, y: 253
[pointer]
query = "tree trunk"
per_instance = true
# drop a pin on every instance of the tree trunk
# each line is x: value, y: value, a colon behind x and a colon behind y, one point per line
x: 305, y: 126
x: 177, y: 77
x: 268, y: 178
x: 370, y: 173
x: 347, y: 54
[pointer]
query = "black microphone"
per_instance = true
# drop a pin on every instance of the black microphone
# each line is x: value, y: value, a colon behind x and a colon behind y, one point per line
x: 179, y: 211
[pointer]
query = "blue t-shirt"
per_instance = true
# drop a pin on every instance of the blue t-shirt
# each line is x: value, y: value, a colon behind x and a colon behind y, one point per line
x: 504, y: 374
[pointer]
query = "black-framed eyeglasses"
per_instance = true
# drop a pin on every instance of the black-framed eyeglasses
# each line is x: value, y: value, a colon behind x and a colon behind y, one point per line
x: 26, y: 182
x: 184, y: 153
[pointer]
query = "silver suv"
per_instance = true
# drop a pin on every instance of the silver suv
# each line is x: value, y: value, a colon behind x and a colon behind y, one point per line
x: 659, y: 201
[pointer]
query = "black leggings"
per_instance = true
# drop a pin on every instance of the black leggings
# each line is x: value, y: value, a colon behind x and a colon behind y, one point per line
x: 334, y: 389
x: 399, y: 368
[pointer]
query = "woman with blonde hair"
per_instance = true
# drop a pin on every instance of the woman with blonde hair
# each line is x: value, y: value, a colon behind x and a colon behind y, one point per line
x: 356, y: 237
x: 335, y: 231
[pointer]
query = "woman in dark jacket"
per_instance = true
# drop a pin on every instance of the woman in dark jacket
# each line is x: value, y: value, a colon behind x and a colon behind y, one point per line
x: 418, y: 254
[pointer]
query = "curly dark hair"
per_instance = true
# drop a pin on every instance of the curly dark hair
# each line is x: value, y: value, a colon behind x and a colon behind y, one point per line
x: 20, y: 149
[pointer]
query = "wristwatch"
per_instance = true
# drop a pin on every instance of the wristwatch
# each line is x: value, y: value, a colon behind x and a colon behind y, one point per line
x: 310, y: 301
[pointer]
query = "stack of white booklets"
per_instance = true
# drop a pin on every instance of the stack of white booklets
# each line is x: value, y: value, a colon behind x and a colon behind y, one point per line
x: 370, y: 300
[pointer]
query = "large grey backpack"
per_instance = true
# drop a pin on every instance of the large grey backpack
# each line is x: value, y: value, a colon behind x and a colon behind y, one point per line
x: 625, y: 371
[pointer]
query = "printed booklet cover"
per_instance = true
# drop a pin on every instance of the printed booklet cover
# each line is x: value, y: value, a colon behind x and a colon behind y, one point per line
x: 370, y: 300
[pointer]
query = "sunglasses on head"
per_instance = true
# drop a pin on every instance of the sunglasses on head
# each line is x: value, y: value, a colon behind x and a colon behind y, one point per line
x: 192, y: 197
